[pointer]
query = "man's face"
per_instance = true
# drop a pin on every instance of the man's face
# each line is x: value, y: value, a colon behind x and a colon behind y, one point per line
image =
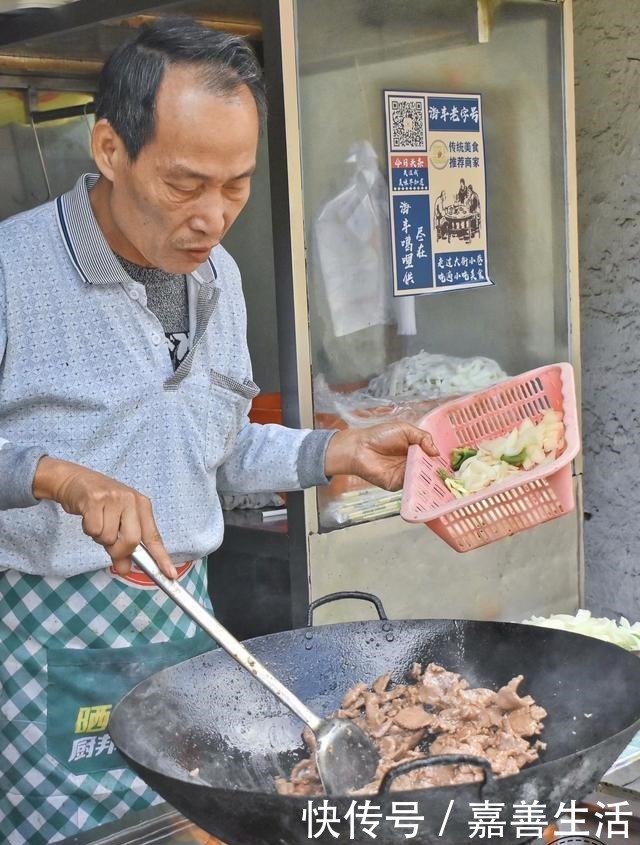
x: 191, y: 180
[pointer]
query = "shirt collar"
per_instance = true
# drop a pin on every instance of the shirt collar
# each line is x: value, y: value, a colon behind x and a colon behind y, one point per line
x: 88, y: 249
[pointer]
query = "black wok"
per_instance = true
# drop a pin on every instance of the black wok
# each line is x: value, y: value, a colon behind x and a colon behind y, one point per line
x: 210, y: 739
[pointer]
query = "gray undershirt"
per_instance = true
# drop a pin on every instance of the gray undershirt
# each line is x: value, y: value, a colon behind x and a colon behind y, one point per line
x: 167, y: 299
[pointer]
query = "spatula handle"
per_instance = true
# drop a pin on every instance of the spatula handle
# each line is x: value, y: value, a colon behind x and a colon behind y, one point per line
x: 224, y: 638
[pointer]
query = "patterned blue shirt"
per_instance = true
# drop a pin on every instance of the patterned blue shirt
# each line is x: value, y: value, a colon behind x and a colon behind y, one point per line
x: 85, y: 376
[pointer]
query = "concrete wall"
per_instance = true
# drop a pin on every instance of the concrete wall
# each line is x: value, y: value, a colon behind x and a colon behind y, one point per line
x: 607, y: 44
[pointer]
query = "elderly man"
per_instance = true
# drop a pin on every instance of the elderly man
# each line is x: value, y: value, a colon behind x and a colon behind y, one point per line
x: 124, y: 390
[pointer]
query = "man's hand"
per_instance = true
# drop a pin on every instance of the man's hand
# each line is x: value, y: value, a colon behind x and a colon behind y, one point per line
x: 114, y: 515
x: 377, y: 453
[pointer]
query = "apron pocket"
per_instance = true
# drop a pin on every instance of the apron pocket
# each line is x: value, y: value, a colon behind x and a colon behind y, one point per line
x: 84, y: 685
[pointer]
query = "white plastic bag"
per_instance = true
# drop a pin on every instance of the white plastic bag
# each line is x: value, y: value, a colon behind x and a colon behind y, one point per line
x: 352, y: 242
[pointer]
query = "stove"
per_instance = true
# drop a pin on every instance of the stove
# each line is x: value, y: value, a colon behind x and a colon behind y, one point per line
x: 160, y: 824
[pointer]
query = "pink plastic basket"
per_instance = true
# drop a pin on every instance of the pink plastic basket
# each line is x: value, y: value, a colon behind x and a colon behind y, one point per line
x: 521, y: 501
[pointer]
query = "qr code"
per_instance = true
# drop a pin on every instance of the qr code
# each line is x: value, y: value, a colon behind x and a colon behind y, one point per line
x: 407, y: 124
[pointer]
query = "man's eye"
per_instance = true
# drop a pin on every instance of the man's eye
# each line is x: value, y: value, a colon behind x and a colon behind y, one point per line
x: 182, y: 190
x: 238, y: 187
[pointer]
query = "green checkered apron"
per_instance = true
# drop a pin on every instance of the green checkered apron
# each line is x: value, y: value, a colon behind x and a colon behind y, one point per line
x: 69, y: 649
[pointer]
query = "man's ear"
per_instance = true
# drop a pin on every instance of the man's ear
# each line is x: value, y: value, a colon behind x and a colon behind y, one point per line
x: 107, y: 148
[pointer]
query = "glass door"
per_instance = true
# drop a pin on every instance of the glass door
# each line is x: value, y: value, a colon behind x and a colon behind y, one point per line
x: 375, y: 358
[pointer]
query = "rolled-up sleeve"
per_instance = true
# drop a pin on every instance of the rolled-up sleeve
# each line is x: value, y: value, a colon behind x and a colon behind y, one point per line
x: 17, y: 468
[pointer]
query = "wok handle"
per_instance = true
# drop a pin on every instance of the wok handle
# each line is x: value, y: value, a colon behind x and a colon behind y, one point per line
x: 440, y: 760
x: 224, y: 638
x: 346, y: 594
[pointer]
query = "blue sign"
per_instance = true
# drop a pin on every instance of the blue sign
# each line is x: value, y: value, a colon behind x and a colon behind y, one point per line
x: 413, y: 256
x: 460, y: 268
x: 437, y: 191
x: 452, y: 114
x: 410, y: 178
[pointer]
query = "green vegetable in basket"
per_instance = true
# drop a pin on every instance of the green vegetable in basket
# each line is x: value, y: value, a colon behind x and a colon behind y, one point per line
x: 460, y: 455
x: 515, y: 460
x: 491, y: 461
x: 453, y: 485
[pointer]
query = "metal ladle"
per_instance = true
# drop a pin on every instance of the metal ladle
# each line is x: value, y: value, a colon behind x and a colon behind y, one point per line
x: 346, y: 758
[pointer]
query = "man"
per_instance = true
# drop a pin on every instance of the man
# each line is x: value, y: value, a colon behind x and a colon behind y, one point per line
x: 461, y: 196
x: 473, y: 200
x: 439, y: 219
x: 473, y: 204
x: 124, y: 390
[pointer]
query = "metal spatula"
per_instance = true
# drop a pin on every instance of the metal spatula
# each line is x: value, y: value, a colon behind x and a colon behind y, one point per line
x: 347, y: 759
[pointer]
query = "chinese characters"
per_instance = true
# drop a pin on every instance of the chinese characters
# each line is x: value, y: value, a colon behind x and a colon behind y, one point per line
x: 92, y: 720
x: 454, y: 114
x: 414, y: 253
x: 482, y: 819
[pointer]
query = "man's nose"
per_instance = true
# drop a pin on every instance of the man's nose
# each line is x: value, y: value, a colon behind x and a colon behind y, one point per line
x: 208, y: 218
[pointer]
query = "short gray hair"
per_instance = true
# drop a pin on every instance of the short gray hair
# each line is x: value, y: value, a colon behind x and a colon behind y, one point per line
x: 129, y: 81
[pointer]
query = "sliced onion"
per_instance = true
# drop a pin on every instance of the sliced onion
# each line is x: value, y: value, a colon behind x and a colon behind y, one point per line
x: 623, y: 634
